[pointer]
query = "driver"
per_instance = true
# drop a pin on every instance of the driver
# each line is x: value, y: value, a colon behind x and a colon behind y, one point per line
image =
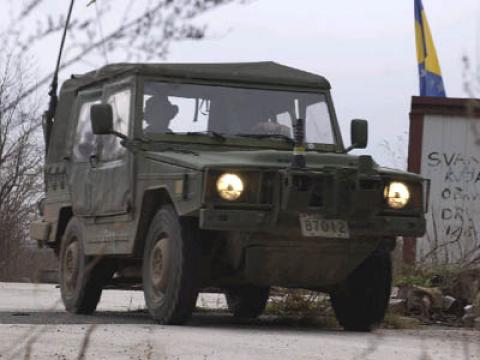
x: 158, y: 113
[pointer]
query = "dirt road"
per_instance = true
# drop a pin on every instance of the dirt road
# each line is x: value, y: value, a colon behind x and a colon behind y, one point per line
x: 33, y: 325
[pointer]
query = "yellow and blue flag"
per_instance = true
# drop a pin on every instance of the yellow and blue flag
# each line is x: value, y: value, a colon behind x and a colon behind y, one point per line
x: 431, y: 81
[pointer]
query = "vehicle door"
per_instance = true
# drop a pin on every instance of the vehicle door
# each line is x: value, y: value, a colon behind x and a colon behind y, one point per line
x: 112, y: 186
x: 83, y: 150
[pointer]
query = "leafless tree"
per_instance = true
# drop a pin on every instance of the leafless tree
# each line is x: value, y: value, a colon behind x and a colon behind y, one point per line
x: 143, y: 30
x: 20, y: 159
x: 395, y: 151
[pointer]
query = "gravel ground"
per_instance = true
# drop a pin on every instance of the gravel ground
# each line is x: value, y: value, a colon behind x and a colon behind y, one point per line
x: 33, y: 325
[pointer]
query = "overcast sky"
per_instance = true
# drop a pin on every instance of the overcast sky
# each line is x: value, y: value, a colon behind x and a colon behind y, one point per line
x: 365, y: 48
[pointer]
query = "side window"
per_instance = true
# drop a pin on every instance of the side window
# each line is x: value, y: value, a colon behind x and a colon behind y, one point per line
x: 85, y: 143
x: 111, y: 149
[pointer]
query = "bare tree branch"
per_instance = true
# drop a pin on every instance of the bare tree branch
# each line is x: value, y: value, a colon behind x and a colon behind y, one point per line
x: 145, y: 37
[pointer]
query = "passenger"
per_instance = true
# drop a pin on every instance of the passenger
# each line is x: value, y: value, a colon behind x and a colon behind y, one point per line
x: 272, y: 128
x: 158, y: 113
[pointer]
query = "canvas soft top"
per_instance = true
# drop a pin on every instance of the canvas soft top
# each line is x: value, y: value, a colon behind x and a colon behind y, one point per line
x: 262, y: 73
x: 259, y: 73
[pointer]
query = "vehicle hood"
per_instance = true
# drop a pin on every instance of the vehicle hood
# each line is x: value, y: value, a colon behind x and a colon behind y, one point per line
x: 281, y: 159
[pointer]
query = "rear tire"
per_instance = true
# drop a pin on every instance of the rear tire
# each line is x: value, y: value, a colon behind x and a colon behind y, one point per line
x: 170, y: 268
x: 247, y: 302
x: 361, y: 301
x: 81, y: 277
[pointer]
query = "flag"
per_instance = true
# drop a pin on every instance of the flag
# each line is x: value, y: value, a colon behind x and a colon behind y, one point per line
x: 431, y: 81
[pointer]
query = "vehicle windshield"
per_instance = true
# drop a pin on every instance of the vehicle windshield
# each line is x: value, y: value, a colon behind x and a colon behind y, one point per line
x: 234, y: 112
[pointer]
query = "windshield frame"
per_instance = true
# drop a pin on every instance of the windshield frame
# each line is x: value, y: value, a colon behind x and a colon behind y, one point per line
x: 237, y: 142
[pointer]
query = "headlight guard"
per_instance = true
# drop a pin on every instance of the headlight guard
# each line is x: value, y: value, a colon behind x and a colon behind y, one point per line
x: 397, y: 194
x: 230, y: 186
x: 417, y: 200
x: 256, y: 189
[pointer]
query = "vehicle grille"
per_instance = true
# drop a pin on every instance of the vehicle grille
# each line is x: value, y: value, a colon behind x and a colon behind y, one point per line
x: 339, y: 191
x: 310, y: 187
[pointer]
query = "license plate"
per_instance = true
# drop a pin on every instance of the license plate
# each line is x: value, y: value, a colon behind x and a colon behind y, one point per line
x: 314, y: 225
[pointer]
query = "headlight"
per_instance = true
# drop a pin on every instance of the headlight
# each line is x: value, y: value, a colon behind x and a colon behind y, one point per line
x: 397, y: 195
x: 229, y: 186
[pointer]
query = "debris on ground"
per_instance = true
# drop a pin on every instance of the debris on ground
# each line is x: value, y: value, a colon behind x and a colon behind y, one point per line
x: 464, y: 286
x: 398, y: 306
x: 449, y: 299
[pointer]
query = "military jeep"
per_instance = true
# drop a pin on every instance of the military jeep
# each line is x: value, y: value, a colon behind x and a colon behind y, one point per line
x: 186, y: 178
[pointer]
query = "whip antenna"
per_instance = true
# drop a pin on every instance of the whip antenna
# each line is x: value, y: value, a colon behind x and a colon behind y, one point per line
x: 52, y: 106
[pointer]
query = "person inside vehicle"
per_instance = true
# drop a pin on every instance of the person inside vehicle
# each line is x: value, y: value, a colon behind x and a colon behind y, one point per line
x: 158, y: 114
x: 271, y: 128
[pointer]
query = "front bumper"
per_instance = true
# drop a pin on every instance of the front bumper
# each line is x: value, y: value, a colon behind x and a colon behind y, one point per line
x: 288, y: 224
x: 356, y: 195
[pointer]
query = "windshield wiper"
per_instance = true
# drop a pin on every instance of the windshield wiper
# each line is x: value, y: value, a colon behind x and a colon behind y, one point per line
x: 180, y: 150
x: 210, y: 133
x: 266, y: 136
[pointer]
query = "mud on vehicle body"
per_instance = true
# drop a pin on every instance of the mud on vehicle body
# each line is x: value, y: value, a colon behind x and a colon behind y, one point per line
x: 186, y: 177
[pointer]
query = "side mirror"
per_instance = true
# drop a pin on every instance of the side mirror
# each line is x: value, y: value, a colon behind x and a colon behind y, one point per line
x: 101, y: 116
x: 358, y: 134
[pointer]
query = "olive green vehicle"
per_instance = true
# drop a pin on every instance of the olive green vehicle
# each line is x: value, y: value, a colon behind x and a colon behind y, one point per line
x: 186, y: 178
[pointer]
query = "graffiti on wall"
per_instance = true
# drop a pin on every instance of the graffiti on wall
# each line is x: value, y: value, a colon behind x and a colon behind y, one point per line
x: 451, y: 159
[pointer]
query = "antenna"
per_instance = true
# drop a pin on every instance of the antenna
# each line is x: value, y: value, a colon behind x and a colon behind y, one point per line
x: 298, y: 159
x: 52, y: 106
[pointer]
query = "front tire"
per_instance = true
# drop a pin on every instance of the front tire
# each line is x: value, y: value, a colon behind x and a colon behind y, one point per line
x: 247, y: 302
x: 81, y: 277
x: 170, y: 268
x: 361, y: 301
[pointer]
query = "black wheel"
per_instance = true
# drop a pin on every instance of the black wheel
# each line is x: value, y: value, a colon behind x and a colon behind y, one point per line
x: 362, y: 300
x: 248, y: 301
x: 170, y: 268
x: 81, y: 277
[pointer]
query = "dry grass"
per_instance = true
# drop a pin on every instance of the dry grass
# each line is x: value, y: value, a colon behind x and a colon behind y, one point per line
x: 38, y: 260
x: 438, y: 276
x: 302, y: 307
x: 398, y: 322
x: 297, y: 301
